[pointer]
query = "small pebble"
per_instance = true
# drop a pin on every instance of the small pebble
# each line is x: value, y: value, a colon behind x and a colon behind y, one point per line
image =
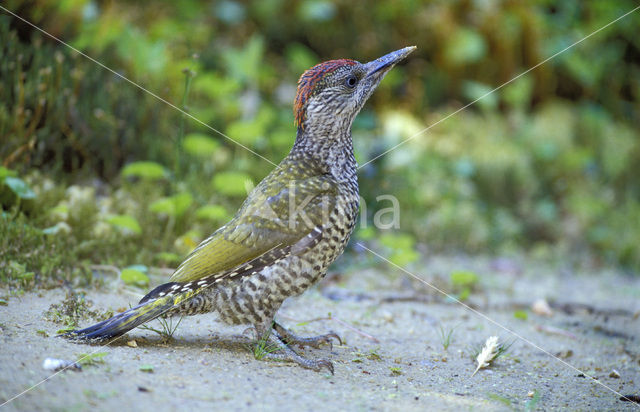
x: 132, y: 343
x: 614, y: 374
x: 541, y: 307
x: 388, y: 317
x: 52, y: 364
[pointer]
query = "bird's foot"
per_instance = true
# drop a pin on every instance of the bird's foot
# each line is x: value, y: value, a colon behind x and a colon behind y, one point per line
x: 290, y: 338
x: 274, y: 349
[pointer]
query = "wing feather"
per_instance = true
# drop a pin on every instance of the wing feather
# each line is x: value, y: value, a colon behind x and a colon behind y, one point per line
x: 279, y: 217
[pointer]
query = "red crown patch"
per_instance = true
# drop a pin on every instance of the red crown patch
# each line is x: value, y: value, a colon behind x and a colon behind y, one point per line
x: 308, y: 81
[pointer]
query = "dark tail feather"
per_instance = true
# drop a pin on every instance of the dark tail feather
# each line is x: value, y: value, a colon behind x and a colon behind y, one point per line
x: 162, y: 290
x: 123, y: 322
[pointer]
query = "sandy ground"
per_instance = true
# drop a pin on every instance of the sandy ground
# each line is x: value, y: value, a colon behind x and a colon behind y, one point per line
x: 392, y: 357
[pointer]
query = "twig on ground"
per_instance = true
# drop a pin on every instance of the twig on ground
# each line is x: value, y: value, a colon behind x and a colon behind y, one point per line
x: 354, y: 329
x: 555, y: 331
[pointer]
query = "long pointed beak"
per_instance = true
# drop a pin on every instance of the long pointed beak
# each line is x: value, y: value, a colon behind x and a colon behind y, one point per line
x: 383, y: 64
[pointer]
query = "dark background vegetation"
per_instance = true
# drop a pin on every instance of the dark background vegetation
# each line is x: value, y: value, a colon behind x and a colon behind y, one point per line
x: 96, y: 171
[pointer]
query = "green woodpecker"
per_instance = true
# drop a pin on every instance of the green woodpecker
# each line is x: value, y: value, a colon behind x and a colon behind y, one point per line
x: 290, y: 228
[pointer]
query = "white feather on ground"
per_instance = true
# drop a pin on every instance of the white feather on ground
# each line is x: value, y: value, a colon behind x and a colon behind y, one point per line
x: 488, y: 353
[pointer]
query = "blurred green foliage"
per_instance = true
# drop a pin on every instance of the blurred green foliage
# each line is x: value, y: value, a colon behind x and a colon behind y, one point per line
x: 134, y: 276
x: 550, y: 161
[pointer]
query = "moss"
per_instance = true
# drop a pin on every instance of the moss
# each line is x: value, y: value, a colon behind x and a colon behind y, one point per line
x: 32, y: 258
x: 73, y: 309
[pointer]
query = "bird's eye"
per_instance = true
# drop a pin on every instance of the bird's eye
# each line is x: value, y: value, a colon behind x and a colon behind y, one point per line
x: 351, y: 81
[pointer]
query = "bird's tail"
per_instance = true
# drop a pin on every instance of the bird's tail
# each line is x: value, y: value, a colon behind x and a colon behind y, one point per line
x: 147, y: 310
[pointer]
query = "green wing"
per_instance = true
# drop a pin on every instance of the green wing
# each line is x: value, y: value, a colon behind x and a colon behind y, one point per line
x: 277, y: 215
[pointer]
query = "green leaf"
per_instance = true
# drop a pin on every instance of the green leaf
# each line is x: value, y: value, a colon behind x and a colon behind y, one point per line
x: 520, y: 314
x: 402, y: 246
x: 125, y: 222
x: 465, y: 46
x: 181, y: 202
x: 146, y: 368
x: 300, y: 57
x: 463, y: 279
x: 246, y: 64
x: 19, y: 187
x: 246, y: 132
x: 163, y: 205
x: 91, y: 358
x: 395, y: 370
x: 168, y: 257
x: 144, y: 170
x: 26, y: 276
x: 366, y: 233
x: 175, y: 205
x: 17, y: 266
x: 403, y: 257
x: 518, y: 93
x: 4, y: 172
x: 134, y: 277
x: 61, y: 210
x: 475, y: 90
x: 231, y: 183
x: 200, y: 145
x: 212, y: 212
x: 397, y: 240
x: 215, y: 86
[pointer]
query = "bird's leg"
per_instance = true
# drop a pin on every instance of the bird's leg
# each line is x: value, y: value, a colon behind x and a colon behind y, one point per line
x: 289, y: 338
x: 273, y: 348
x: 276, y: 350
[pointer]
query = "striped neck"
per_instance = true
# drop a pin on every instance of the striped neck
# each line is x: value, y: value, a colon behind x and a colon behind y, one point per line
x: 332, y: 153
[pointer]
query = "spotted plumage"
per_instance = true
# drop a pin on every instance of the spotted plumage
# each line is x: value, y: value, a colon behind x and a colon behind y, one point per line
x: 291, y: 227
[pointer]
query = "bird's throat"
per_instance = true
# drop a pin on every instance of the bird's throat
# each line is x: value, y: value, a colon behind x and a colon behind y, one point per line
x: 332, y: 152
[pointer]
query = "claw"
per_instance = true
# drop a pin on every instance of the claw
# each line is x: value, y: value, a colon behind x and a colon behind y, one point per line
x: 315, y: 341
x: 291, y: 339
x: 327, y: 364
x: 334, y: 335
x: 280, y: 351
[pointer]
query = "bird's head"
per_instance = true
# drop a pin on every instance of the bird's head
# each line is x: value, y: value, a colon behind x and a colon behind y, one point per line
x: 331, y: 94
